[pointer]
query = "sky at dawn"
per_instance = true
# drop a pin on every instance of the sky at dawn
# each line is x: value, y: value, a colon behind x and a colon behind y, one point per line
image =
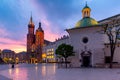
x: 55, y: 16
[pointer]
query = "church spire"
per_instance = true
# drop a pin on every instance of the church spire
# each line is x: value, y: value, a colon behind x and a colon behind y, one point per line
x: 31, y: 20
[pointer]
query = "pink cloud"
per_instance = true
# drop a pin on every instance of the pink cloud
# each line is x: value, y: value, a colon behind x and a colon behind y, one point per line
x: 49, y: 35
x: 46, y: 25
x: 17, y: 46
x: 7, y: 43
x: 10, y: 41
x: 3, y: 31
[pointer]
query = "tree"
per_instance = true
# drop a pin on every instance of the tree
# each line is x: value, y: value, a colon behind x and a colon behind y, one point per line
x: 112, y: 30
x: 65, y: 51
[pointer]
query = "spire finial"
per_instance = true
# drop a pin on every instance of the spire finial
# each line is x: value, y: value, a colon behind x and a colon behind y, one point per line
x: 31, y: 20
x: 86, y: 3
x: 40, y: 28
x: 39, y: 24
x: 31, y: 17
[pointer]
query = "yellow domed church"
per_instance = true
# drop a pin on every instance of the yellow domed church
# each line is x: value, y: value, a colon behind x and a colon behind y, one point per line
x: 91, y: 47
x: 86, y: 41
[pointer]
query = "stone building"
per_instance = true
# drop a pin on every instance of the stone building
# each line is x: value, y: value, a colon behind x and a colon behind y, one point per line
x: 49, y: 49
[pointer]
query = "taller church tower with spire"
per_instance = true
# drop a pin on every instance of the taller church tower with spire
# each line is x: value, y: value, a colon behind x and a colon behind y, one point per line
x: 30, y: 36
x: 35, y: 41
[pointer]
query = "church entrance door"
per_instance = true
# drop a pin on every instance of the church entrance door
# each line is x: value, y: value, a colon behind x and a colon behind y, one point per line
x: 86, y: 61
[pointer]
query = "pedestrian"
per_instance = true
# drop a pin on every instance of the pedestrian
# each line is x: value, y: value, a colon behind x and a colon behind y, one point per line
x: 12, y: 65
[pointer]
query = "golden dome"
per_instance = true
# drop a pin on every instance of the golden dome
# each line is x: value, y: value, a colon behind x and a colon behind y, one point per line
x: 87, y: 21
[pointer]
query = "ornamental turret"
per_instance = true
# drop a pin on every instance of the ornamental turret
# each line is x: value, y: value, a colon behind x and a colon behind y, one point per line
x: 86, y: 11
x: 39, y: 36
x: 86, y: 18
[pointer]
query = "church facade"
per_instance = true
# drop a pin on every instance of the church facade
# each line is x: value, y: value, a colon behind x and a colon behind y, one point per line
x: 35, y: 42
x: 90, y: 46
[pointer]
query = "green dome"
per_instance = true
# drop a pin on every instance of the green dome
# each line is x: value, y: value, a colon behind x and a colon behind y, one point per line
x: 86, y: 21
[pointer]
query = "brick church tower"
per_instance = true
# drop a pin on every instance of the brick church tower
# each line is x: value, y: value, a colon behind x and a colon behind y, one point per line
x: 35, y: 43
x: 30, y: 38
x: 39, y: 41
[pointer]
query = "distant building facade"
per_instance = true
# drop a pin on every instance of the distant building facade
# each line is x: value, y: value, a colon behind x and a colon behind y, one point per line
x: 8, y: 56
x: 20, y: 57
x: 49, y: 49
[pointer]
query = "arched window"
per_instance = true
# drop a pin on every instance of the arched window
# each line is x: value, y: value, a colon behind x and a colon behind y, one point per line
x: 87, y: 13
x: 84, y: 13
